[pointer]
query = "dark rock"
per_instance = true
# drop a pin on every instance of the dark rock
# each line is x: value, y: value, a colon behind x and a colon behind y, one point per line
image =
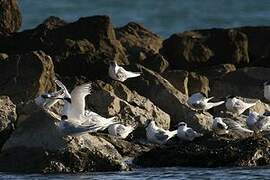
x: 199, y: 48
x: 24, y: 76
x: 246, y: 82
x: 209, y: 152
x: 187, y: 82
x: 10, y: 16
x: 217, y: 71
x: 37, y: 145
x: 154, y: 61
x: 137, y: 39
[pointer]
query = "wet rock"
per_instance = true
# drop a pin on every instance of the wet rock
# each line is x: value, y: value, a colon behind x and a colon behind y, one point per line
x: 137, y: 39
x: 26, y: 75
x: 10, y: 16
x: 209, y: 152
x: 116, y: 99
x: 199, y: 48
x: 8, y: 118
x: 37, y: 145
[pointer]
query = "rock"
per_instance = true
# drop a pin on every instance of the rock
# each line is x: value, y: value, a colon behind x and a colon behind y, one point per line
x: 24, y: 76
x: 179, y: 79
x: 199, y: 48
x: 130, y: 108
x: 187, y: 82
x: 158, y: 90
x: 258, y: 47
x: 209, y: 152
x: 8, y: 118
x: 136, y: 39
x: 197, y: 83
x: 10, y: 16
x: 154, y: 61
x: 217, y: 71
x: 37, y: 145
x: 245, y: 82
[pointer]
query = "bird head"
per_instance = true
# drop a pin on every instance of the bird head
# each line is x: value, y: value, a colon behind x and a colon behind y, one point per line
x: 46, y: 96
x: 64, y: 117
x: 182, y: 124
x: 230, y: 96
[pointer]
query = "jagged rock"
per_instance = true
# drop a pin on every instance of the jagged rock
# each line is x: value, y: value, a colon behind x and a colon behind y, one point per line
x: 136, y: 39
x: 209, y: 152
x: 24, y: 76
x: 8, y: 118
x: 197, y: 83
x: 37, y: 145
x: 199, y: 48
x: 245, y: 82
x: 10, y: 16
x: 130, y: 108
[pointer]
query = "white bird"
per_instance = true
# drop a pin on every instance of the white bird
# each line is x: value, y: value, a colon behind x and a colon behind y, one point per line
x: 120, y: 130
x: 101, y: 123
x: 186, y: 133
x: 74, y: 107
x: 258, y: 122
x: 156, y: 134
x: 118, y: 73
x: 47, y: 100
x: 219, y: 127
x: 68, y: 127
x: 266, y: 90
x: 236, y: 105
x: 199, y: 101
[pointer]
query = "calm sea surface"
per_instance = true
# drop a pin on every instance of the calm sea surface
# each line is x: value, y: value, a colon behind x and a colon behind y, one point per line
x: 164, y: 18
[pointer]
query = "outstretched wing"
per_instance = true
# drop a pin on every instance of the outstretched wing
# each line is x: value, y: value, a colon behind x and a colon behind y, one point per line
x: 77, y: 107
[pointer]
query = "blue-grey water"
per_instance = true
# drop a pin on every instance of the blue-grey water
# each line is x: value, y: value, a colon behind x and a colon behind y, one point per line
x: 164, y: 17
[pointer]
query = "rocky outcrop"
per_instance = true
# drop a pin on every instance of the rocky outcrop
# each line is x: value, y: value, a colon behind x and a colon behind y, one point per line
x: 195, y: 49
x: 37, y: 145
x: 209, y: 152
x: 24, y: 76
x: 10, y: 16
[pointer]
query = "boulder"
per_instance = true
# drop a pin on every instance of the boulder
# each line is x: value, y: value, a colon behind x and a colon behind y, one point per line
x: 187, y: 82
x: 37, y: 145
x: 199, y: 48
x: 8, y: 118
x: 217, y: 71
x: 245, y: 82
x: 24, y: 76
x: 10, y: 16
x: 209, y: 152
x: 116, y: 99
x: 136, y: 39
